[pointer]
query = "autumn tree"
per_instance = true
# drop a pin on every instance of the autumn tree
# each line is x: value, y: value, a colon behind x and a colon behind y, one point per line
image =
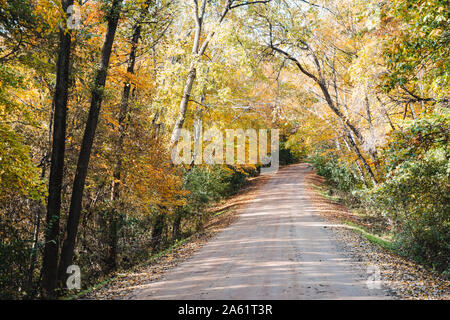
x: 98, y: 86
x: 50, y: 259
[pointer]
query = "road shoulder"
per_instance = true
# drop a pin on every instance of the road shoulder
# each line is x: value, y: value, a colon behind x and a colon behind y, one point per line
x: 123, y: 285
x: 403, y: 278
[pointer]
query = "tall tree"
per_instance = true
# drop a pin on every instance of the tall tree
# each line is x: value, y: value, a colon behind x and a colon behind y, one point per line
x: 124, y: 108
x: 198, y: 49
x: 50, y: 259
x: 67, y: 252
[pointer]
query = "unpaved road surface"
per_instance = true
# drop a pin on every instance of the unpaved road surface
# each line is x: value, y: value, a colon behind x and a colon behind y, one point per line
x: 279, y: 248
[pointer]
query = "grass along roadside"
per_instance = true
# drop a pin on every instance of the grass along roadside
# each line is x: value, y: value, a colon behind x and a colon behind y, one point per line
x: 325, y: 192
x: 353, y: 219
x: 403, y: 276
x: 371, y: 237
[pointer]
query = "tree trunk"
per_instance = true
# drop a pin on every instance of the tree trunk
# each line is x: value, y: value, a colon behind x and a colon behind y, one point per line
x: 197, y: 51
x: 360, y: 156
x: 358, y: 167
x: 88, y: 138
x: 348, y: 126
x: 177, y: 224
x: 113, y: 235
x: 157, y: 232
x: 114, y: 219
x: 413, y: 113
x: 373, y: 153
x: 51, y: 248
x: 198, y: 132
x: 183, y: 105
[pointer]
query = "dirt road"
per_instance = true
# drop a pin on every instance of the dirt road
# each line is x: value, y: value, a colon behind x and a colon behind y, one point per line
x: 279, y: 248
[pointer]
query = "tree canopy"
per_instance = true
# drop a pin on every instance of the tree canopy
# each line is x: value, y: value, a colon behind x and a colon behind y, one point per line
x: 91, y: 108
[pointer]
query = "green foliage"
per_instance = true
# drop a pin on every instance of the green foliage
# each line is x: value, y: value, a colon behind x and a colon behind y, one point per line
x: 16, y: 15
x: 18, y: 174
x: 416, y: 198
x: 417, y: 54
x: 288, y: 155
x: 207, y: 185
x: 233, y: 178
x: 371, y: 237
x: 13, y: 270
x: 415, y: 195
x: 9, y: 78
x: 420, y: 136
x: 337, y: 174
x: 204, y: 185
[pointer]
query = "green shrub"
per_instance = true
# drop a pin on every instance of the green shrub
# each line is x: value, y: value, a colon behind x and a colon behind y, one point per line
x: 204, y: 185
x: 336, y: 173
x: 415, y: 197
x: 209, y: 184
x: 288, y: 155
x: 14, y: 258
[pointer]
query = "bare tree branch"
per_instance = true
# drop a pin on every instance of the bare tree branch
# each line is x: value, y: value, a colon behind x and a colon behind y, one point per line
x: 247, y: 3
